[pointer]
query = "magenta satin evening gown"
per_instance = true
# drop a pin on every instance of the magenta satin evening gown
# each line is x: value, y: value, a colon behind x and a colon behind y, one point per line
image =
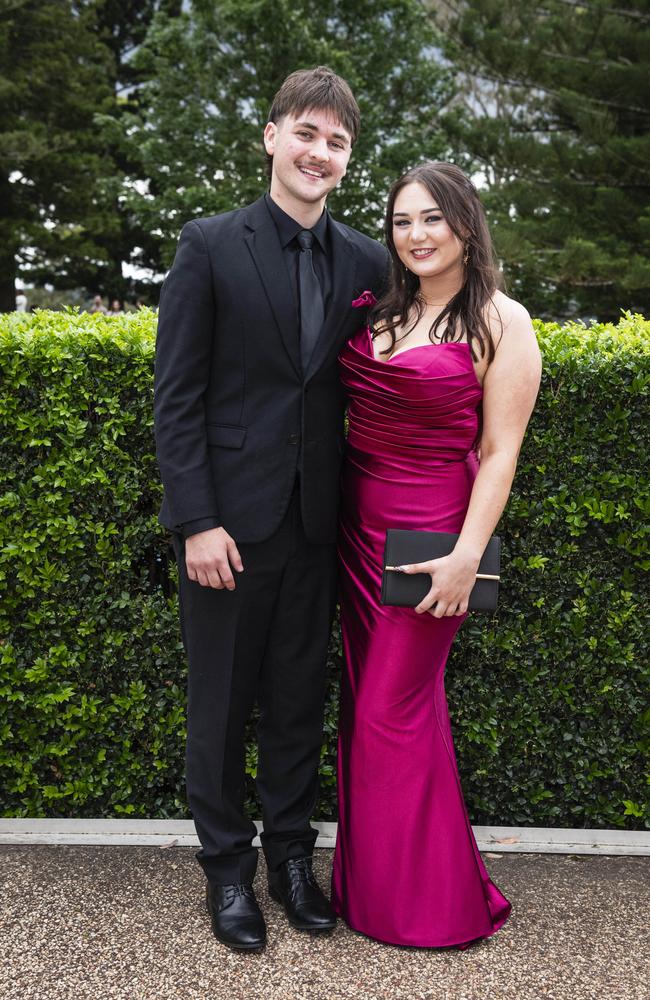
x: 406, y: 868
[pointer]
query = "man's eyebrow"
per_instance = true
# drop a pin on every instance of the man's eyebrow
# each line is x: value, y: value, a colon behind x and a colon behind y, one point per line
x: 314, y: 128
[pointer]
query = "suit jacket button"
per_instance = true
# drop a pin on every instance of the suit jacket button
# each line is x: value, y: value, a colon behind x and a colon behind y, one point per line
x: 294, y: 439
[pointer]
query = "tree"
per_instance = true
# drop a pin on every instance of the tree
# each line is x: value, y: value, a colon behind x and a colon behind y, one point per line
x: 122, y: 25
x: 557, y: 130
x: 211, y: 73
x: 66, y: 67
x: 53, y: 81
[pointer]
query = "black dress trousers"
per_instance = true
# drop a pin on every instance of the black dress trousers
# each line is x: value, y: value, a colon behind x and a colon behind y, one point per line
x: 266, y: 640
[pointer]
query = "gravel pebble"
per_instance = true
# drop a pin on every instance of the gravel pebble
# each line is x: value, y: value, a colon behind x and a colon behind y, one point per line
x: 129, y: 923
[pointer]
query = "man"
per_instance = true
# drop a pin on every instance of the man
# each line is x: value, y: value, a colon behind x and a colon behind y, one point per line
x: 249, y: 433
x: 97, y: 306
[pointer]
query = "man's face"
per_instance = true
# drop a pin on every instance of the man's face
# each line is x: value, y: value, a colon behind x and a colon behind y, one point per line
x: 310, y: 155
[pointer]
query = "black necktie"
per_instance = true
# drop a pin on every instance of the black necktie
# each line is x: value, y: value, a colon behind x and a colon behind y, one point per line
x: 312, y: 308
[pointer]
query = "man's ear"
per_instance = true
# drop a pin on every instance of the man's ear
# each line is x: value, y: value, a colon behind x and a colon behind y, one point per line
x: 270, y: 132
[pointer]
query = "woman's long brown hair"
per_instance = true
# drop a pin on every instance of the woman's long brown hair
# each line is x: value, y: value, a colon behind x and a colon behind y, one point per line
x: 465, y: 315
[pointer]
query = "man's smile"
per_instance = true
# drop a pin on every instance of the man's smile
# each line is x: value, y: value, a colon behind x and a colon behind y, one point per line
x: 311, y: 171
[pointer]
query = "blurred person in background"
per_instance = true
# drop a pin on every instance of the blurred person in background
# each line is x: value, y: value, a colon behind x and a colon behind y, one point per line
x: 97, y: 305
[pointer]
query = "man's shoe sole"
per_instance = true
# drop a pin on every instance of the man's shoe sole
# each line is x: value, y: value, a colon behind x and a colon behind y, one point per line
x: 323, y: 929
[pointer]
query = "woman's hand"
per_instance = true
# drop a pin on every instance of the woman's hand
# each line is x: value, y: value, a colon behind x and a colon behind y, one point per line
x: 452, y: 579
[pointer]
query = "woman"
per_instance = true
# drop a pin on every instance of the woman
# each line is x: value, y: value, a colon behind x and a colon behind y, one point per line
x: 447, y: 357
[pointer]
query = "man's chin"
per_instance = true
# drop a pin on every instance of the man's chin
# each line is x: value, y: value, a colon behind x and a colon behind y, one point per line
x: 313, y: 190
x: 312, y: 198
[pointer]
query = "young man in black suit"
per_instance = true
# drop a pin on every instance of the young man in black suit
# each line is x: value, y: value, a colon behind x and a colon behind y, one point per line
x: 249, y: 436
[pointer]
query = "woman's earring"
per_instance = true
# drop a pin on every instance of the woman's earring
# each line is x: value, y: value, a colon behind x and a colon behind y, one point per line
x: 466, y: 257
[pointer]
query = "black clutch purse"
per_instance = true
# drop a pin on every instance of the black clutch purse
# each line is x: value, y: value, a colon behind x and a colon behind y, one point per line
x: 406, y: 590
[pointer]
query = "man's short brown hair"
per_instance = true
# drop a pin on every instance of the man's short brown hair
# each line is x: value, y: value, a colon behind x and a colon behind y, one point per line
x: 319, y: 89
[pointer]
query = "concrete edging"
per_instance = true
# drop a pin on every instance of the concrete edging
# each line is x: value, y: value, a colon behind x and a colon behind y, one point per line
x: 181, y: 833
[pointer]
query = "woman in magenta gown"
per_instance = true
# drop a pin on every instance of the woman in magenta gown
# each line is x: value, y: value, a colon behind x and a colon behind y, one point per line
x: 447, y: 359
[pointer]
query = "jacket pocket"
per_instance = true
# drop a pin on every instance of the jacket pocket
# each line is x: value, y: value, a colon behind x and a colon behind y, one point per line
x: 225, y: 435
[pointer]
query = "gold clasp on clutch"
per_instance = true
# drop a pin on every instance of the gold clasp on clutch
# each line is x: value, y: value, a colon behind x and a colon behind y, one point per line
x: 479, y: 576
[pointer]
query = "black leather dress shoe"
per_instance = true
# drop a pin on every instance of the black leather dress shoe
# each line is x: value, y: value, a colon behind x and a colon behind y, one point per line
x: 295, y: 886
x: 236, y: 918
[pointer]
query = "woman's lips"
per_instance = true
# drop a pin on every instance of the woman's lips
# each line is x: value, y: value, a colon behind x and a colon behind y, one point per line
x: 423, y: 254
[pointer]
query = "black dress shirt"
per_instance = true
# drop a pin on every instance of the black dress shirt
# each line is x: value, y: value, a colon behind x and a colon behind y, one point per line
x: 288, y: 230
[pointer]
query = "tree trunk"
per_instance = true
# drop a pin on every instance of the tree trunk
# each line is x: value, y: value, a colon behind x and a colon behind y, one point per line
x: 7, y: 280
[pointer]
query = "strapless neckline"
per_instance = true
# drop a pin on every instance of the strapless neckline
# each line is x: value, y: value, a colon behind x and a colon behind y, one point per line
x: 390, y: 362
x: 407, y: 350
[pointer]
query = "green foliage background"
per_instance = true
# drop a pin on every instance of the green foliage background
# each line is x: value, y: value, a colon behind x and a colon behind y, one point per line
x: 122, y: 119
x: 553, y: 112
x: 546, y: 698
x: 194, y: 136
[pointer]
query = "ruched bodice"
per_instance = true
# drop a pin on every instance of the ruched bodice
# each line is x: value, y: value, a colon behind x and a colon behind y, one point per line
x: 420, y: 407
x: 406, y: 867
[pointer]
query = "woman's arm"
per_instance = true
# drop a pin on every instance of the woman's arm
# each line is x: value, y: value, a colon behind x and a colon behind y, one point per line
x: 510, y: 388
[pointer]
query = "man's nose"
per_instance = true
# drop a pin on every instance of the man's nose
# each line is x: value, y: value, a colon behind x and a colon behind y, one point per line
x: 320, y: 150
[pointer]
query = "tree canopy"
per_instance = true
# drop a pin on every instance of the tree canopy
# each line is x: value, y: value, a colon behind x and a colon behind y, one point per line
x: 52, y: 81
x: 121, y: 119
x: 211, y: 75
x: 64, y: 65
x: 556, y: 95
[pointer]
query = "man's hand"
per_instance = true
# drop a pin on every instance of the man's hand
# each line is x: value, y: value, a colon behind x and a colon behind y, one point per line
x: 209, y: 556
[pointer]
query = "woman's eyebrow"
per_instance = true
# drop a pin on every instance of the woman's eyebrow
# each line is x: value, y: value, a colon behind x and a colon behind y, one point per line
x: 425, y: 211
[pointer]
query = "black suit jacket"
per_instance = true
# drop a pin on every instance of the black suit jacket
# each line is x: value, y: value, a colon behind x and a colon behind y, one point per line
x: 235, y: 416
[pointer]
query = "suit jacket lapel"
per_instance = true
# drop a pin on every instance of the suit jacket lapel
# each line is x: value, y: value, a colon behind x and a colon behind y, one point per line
x: 344, y: 266
x: 266, y: 251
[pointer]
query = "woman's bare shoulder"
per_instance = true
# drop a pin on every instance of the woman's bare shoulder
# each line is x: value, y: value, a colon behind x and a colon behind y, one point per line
x: 506, y: 314
x: 514, y: 338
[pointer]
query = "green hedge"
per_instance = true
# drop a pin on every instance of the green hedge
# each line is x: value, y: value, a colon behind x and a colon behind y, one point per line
x: 546, y: 698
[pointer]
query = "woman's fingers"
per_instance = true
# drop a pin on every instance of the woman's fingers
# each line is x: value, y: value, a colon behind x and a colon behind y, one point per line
x: 440, y: 609
x: 424, y: 567
x: 427, y: 602
x: 443, y: 599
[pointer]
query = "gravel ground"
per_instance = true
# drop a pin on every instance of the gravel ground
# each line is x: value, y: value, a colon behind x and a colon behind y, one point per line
x: 129, y: 923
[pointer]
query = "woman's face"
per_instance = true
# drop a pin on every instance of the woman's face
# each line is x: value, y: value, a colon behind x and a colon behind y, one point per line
x: 423, y: 240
